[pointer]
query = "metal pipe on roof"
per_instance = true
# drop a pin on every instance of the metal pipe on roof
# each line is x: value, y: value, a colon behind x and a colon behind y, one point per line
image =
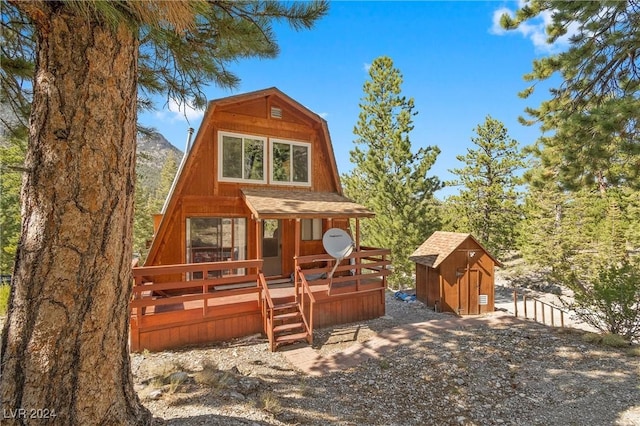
x: 189, y: 135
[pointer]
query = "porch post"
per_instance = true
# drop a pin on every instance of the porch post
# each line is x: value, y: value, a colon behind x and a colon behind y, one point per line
x: 295, y: 259
x: 358, y: 259
x: 259, y: 239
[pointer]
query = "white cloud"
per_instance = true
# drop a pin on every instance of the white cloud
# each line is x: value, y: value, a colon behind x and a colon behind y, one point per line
x: 533, y: 29
x: 366, y: 67
x: 495, y: 27
x: 179, y: 112
x: 323, y: 114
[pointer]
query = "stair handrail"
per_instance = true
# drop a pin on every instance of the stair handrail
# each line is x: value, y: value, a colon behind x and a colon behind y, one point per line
x: 306, y: 289
x: 267, y: 309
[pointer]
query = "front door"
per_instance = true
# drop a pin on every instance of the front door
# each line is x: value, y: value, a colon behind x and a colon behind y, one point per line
x: 272, y: 247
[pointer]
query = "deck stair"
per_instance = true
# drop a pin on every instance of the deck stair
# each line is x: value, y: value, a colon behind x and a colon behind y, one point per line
x: 283, y: 317
x: 287, y: 326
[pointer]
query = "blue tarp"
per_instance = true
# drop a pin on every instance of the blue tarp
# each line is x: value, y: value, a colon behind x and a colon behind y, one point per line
x: 405, y: 297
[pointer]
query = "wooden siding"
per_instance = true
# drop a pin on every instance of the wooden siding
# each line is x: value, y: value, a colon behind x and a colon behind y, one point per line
x: 182, y: 328
x: 350, y: 308
x: 421, y: 284
x: 170, y: 330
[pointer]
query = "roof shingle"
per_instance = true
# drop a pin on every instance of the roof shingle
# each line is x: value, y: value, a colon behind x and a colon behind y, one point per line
x: 437, y: 248
x: 272, y: 204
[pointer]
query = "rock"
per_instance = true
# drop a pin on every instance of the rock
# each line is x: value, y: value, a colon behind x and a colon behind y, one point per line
x: 178, y: 377
x: 237, y: 395
x: 248, y: 385
x: 155, y: 394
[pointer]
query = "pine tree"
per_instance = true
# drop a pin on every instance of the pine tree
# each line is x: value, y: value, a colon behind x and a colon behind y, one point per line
x: 488, y: 201
x: 149, y: 203
x: 65, y: 343
x: 593, y: 114
x: 540, y: 233
x: 167, y: 176
x: 388, y: 177
x: 590, y: 158
x: 11, y: 164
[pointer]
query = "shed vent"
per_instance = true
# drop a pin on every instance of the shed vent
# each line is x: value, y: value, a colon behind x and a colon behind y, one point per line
x: 276, y: 112
x: 484, y: 299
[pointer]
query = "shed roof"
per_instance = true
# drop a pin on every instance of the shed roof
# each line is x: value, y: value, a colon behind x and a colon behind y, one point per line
x: 440, y: 245
x: 274, y: 204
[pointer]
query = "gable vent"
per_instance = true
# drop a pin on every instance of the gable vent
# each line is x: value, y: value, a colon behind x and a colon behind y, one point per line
x: 276, y: 112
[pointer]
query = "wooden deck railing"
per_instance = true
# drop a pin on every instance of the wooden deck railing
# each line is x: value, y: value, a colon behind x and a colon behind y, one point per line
x: 360, y: 267
x: 553, y: 310
x: 178, y: 284
x: 307, y: 302
x: 266, y: 306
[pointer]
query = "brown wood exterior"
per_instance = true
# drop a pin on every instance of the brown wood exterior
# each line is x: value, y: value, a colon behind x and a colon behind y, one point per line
x: 462, y: 280
x: 188, y: 299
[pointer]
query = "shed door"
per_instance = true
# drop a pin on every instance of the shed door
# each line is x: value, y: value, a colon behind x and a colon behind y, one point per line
x: 468, y: 288
x: 474, y: 292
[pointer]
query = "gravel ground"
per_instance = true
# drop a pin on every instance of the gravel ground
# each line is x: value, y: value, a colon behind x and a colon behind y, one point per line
x: 522, y: 374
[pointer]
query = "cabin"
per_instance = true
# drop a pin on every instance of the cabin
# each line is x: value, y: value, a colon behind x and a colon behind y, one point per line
x: 237, y: 248
x: 455, y: 273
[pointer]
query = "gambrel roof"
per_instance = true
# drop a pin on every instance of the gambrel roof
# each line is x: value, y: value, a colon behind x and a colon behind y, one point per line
x: 197, y: 186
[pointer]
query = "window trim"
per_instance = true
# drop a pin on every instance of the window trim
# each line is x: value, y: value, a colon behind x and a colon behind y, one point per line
x: 291, y: 143
x: 265, y: 151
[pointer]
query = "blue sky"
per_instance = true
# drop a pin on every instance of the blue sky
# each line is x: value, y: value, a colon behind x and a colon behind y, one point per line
x: 457, y: 65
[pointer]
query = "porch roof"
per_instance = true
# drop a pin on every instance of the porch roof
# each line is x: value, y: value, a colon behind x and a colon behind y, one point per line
x: 285, y: 204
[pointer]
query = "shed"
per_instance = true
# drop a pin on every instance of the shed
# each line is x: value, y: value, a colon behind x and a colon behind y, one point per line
x: 455, y: 273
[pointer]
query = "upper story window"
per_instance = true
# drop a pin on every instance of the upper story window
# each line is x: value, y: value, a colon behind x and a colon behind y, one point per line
x: 242, y: 158
x: 290, y: 163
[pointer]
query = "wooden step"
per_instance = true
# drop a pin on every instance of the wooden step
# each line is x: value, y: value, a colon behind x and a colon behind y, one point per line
x: 288, y: 327
x: 283, y: 306
x: 289, y: 338
x: 288, y: 315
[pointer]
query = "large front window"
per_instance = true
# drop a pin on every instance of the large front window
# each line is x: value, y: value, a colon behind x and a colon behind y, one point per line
x: 242, y: 157
x: 216, y: 239
x: 290, y: 162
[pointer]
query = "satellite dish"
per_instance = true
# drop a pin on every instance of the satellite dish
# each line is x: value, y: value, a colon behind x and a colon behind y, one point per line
x: 338, y: 244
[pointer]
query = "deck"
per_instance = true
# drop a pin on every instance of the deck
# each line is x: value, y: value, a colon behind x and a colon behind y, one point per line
x: 170, y: 311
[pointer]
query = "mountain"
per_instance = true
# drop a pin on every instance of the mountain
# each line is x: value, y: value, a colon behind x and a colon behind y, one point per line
x: 152, y: 152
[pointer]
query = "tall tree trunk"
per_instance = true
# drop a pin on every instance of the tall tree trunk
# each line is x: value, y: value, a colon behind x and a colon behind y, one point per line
x: 65, y: 343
